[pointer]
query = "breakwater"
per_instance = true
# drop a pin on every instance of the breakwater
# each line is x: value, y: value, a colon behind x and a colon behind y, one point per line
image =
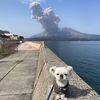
x: 79, y: 90
x: 83, y: 56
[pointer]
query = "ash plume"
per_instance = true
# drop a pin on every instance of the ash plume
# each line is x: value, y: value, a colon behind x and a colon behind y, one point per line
x: 30, y: 1
x: 46, y: 17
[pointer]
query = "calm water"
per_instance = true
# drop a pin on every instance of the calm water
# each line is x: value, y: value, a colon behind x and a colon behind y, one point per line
x: 83, y: 56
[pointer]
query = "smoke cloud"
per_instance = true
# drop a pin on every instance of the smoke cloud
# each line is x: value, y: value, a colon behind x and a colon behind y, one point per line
x: 30, y: 1
x: 46, y: 17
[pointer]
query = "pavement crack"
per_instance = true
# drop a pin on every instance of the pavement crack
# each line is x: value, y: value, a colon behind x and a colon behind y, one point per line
x: 18, y: 62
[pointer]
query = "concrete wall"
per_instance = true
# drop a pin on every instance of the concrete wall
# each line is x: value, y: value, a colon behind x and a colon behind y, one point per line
x: 79, y: 90
x: 7, y: 47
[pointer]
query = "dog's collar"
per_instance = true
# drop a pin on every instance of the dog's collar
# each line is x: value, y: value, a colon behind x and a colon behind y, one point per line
x: 61, y: 90
x: 66, y: 85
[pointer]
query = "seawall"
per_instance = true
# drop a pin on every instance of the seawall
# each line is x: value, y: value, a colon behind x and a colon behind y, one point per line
x: 7, y: 47
x: 79, y: 90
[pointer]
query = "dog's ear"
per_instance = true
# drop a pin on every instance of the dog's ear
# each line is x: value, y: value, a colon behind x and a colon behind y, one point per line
x: 69, y: 69
x: 52, y: 70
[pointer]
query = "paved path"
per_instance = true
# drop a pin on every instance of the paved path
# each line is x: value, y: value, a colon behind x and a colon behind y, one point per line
x: 17, y: 73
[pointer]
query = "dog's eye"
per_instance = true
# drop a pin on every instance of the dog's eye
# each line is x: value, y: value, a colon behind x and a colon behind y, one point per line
x: 65, y: 74
x: 57, y: 73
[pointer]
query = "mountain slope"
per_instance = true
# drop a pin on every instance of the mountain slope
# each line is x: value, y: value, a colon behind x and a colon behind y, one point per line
x: 66, y: 34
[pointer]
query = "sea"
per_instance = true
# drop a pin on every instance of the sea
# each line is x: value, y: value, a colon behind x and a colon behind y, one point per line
x: 84, y: 56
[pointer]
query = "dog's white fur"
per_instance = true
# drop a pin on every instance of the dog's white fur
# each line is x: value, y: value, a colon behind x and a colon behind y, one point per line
x: 61, y: 82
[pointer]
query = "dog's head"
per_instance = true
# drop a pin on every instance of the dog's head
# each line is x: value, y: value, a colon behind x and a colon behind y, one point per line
x: 61, y: 73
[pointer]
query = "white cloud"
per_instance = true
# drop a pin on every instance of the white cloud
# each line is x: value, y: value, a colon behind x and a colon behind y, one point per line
x: 29, y: 1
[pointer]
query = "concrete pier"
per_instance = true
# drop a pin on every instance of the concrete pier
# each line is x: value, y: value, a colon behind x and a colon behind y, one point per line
x: 25, y: 76
x: 79, y: 90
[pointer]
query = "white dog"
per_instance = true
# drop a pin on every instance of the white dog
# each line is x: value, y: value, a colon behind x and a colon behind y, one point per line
x: 61, y: 82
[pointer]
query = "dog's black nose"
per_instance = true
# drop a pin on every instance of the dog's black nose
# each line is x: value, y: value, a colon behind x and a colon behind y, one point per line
x: 61, y: 76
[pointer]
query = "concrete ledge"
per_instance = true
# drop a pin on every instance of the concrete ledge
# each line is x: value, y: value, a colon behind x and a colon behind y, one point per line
x: 79, y: 90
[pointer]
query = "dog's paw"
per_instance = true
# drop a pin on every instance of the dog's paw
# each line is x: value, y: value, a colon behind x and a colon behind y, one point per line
x: 57, y: 97
x: 63, y: 97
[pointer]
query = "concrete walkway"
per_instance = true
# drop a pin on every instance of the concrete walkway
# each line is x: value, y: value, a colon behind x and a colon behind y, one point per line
x: 17, y: 73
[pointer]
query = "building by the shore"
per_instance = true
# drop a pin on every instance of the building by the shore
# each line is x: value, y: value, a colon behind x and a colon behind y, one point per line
x: 3, y: 38
x: 7, y: 35
x: 6, y: 39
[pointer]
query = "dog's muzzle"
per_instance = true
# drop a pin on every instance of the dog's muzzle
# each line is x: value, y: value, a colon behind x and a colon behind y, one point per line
x: 61, y: 76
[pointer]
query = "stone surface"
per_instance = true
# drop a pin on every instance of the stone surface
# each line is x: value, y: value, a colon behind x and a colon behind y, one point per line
x: 5, y: 67
x: 17, y: 74
x: 16, y: 97
x: 79, y: 90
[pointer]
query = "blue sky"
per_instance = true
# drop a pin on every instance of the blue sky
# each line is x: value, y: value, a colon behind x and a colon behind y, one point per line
x: 82, y: 15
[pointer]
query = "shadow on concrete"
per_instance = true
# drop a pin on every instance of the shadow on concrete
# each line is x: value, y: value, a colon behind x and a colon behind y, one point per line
x: 75, y: 92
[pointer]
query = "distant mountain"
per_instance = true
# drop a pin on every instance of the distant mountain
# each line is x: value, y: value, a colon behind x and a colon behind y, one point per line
x: 66, y: 34
x: 2, y: 32
x: 74, y: 34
